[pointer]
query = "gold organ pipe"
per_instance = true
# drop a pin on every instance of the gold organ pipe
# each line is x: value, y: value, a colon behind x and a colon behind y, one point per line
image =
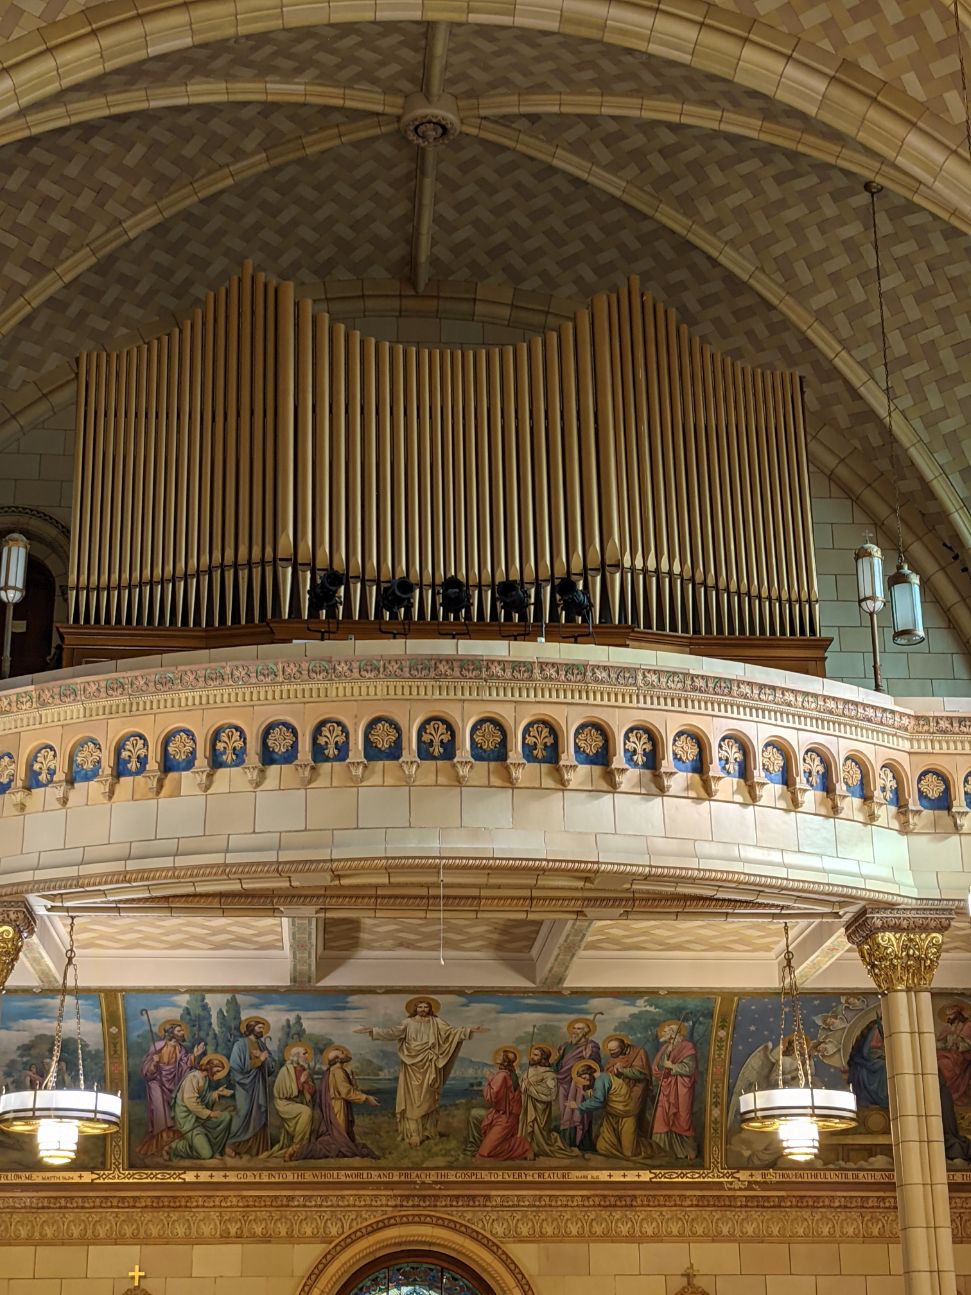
x: 221, y: 466
x: 355, y: 564
x: 244, y: 460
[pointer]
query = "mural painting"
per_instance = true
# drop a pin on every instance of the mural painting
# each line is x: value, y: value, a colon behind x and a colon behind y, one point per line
x: 26, y: 1043
x: 253, y: 1081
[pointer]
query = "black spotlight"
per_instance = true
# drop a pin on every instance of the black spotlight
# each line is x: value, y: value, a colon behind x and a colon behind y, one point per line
x: 573, y: 600
x: 325, y: 595
x: 454, y: 596
x: 512, y: 597
x: 397, y: 596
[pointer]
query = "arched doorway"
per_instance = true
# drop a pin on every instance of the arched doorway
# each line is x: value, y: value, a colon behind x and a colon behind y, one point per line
x: 33, y: 621
x: 409, y: 1254
x: 415, y: 1273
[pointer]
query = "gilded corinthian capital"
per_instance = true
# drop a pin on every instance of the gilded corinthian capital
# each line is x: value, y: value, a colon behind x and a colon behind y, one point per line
x: 900, y: 948
x: 16, y: 923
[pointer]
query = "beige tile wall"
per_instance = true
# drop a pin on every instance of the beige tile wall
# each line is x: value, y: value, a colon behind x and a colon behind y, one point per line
x: 554, y: 1268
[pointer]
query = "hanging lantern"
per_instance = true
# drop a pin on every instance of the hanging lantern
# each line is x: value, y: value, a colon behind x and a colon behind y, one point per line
x: 800, y: 1113
x: 869, y: 578
x: 58, y: 1116
x: 905, y: 608
x: 13, y: 567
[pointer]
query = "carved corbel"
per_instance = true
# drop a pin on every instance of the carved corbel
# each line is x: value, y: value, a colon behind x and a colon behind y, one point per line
x: 203, y: 776
x: 19, y: 797
x: 837, y: 800
x: 306, y: 771
x: 664, y: 777
x: 872, y: 807
x: 62, y: 793
x: 908, y: 817
x: 567, y: 770
x: 409, y: 767
x: 617, y: 773
x: 107, y: 784
x: 797, y: 795
x: 357, y: 767
x: 959, y: 816
x: 712, y: 780
x: 156, y: 780
x: 16, y: 924
x: 515, y: 765
x: 756, y: 788
x: 255, y: 775
x: 463, y: 763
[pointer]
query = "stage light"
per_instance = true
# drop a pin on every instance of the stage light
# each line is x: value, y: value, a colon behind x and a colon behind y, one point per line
x: 454, y: 596
x: 397, y: 596
x: 325, y: 594
x: 512, y: 597
x: 573, y: 600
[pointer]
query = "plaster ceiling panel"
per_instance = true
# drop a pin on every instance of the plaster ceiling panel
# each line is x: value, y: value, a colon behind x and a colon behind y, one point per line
x: 690, y: 937
x: 411, y: 936
x: 807, y: 225
x: 346, y: 213
x: 383, y: 56
x: 188, y: 934
x: 63, y: 189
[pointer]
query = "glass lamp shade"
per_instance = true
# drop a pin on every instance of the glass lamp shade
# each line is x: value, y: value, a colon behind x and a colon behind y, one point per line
x: 57, y: 1116
x: 13, y: 567
x: 869, y: 578
x: 800, y: 1139
x: 908, y: 616
x: 769, y: 1108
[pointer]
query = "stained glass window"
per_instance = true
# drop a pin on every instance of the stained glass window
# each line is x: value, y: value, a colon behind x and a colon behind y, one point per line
x: 415, y: 1278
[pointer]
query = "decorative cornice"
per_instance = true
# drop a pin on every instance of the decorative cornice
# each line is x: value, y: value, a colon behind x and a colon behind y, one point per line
x: 900, y: 948
x: 506, y: 1213
x: 301, y: 679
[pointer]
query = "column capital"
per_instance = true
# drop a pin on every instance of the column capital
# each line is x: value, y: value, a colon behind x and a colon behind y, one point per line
x: 900, y: 947
x: 16, y: 924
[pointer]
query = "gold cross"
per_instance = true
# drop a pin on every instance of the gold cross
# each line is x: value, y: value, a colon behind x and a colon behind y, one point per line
x: 136, y: 1275
x: 691, y: 1272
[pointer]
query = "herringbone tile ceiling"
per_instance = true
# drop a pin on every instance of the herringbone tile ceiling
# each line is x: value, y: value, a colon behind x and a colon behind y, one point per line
x: 789, y: 223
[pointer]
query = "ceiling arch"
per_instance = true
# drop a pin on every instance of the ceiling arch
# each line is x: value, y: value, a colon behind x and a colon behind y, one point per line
x: 788, y: 68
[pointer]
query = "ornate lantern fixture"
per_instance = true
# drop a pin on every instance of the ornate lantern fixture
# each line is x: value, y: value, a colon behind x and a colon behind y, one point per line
x: 799, y: 1113
x: 13, y: 586
x: 57, y: 1116
x: 869, y: 587
x: 904, y: 584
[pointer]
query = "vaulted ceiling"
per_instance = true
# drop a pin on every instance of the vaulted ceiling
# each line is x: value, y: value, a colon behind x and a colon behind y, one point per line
x: 148, y: 146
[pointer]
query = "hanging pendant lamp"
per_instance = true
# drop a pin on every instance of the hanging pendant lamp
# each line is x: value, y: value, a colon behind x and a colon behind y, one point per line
x: 57, y: 1117
x: 904, y: 584
x: 800, y: 1113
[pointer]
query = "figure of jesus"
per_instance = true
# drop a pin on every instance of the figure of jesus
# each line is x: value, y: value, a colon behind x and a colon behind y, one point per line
x: 428, y: 1048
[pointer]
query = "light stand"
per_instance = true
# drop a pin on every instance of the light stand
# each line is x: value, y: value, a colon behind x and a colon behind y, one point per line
x: 13, y: 586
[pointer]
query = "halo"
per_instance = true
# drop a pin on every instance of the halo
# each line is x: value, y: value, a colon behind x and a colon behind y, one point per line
x: 298, y: 1043
x: 624, y: 1038
x: 216, y: 1056
x: 682, y: 1028
x: 335, y: 1048
x: 412, y: 1003
x: 260, y: 1019
x: 551, y: 1048
x: 577, y: 1064
x: 165, y: 1025
x: 497, y: 1055
x: 942, y: 1012
x: 583, y: 1020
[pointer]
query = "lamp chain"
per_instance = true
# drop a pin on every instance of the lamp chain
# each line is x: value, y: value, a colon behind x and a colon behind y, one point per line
x: 50, y: 1080
x: 873, y: 189
x: 800, y: 1043
x: 964, y: 78
x: 77, y: 1010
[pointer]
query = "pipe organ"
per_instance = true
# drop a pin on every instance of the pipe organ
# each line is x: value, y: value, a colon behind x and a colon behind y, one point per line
x: 222, y: 467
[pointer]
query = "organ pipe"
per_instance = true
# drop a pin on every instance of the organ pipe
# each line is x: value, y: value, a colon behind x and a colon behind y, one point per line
x: 221, y: 468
